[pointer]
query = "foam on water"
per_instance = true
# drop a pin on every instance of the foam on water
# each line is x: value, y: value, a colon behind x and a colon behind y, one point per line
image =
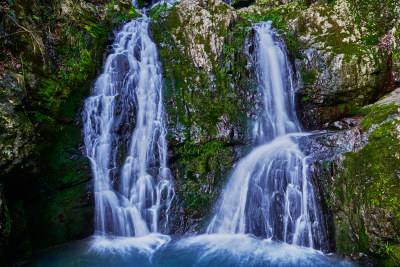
x: 247, y: 250
x: 145, y: 245
x: 197, y: 251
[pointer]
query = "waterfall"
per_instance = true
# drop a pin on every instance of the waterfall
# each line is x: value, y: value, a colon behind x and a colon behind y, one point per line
x: 130, y: 200
x: 270, y: 193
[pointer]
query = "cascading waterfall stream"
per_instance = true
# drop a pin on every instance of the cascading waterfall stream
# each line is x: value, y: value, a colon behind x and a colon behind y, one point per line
x: 270, y: 193
x: 129, y: 199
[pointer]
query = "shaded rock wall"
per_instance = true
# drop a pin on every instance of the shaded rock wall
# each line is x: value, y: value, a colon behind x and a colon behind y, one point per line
x: 50, y: 53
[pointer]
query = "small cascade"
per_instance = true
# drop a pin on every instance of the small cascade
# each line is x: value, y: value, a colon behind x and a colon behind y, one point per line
x: 270, y: 193
x: 125, y: 138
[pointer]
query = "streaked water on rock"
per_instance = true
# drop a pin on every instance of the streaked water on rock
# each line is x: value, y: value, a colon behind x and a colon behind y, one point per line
x: 267, y: 215
x: 270, y: 193
x: 132, y: 180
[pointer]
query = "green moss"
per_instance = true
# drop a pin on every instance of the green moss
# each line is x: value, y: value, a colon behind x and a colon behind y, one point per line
x: 391, y: 256
x: 197, y: 103
x: 308, y: 77
x: 203, y: 165
x: 344, y: 242
x: 63, y: 216
x: 191, y: 99
x: 377, y: 114
x: 371, y: 39
x: 54, y: 80
x: 158, y: 9
x: 62, y: 183
x: 369, y: 182
x: 7, y: 219
x: 369, y: 14
x: 278, y: 18
x: 18, y: 243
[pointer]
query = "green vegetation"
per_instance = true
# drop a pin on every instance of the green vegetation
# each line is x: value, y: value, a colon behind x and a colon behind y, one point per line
x: 52, y: 50
x: 203, y: 165
x: 190, y: 97
x: 199, y: 103
x: 367, y: 185
x: 378, y: 17
x: 54, y: 71
x: 378, y: 114
x: 308, y: 77
x: 159, y: 9
x: 277, y: 16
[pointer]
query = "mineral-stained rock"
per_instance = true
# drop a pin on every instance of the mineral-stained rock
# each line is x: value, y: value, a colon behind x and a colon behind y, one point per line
x: 200, y: 29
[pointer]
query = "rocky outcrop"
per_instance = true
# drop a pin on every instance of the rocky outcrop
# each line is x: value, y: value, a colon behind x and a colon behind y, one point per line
x: 340, y: 68
x: 344, y: 62
x: 204, y: 42
x: 342, y: 59
x: 209, y: 95
x: 17, y: 133
x: 346, y: 55
x: 358, y: 167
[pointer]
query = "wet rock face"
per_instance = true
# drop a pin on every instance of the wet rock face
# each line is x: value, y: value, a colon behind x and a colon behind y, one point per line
x: 358, y: 171
x: 338, y: 71
x: 201, y: 29
x: 16, y: 131
x: 51, y: 56
x: 209, y: 94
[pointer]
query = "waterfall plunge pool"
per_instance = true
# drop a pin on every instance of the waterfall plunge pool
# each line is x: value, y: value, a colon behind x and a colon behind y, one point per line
x: 202, y: 250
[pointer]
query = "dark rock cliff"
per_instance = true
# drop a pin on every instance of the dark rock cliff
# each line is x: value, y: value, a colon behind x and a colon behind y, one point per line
x: 50, y: 53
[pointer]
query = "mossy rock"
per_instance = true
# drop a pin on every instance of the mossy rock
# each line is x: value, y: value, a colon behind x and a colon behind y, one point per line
x: 50, y: 201
x: 338, y: 60
x: 208, y: 92
x: 365, y: 195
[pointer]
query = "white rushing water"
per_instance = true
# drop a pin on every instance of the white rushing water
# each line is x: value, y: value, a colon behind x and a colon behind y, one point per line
x: 125, y: 138
x: 270, y: 193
